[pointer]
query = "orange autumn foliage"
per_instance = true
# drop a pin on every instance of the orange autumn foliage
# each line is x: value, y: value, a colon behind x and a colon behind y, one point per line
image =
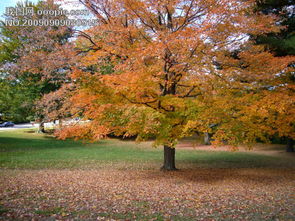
x: 166, y: 69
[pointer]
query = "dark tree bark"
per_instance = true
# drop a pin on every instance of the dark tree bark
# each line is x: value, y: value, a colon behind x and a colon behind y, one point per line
x: 207, y: 139
x: 169, y: 158
x: 290, y: 144
x: 60, y: 123
x: 42, y: 127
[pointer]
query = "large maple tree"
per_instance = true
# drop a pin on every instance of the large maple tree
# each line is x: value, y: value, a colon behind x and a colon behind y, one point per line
x: 166, y: 69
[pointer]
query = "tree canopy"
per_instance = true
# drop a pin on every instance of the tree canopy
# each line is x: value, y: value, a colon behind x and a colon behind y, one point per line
x: 168, y: 69
x: 33, y: 62
x: 282, y: 43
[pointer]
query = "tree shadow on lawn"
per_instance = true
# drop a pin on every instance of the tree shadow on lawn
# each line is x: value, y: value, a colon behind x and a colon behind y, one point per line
x: 226, y: 159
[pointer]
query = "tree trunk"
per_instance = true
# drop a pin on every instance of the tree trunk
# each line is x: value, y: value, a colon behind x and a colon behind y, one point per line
x: 60, y: 123
x: 41, y: 127
x: 169, y: 158
x: 290, y: 144
x: 207, y: 139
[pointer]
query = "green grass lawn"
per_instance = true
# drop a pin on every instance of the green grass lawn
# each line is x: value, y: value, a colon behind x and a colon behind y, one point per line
x: 24, y: 149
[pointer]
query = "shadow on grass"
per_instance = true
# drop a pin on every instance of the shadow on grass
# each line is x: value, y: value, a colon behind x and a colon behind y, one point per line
x: 30, y: 131
x: 224, y: 159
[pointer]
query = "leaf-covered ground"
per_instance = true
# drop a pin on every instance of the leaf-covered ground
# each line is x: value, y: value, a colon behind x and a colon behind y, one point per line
x: 45, y: 179
x: 106, y: 194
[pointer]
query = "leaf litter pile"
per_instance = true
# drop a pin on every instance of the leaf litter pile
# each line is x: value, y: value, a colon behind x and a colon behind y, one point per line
x: 113, y: 194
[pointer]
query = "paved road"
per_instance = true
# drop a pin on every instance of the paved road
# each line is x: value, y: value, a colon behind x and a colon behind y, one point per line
x: 29, y: 125
x: 20, y: 126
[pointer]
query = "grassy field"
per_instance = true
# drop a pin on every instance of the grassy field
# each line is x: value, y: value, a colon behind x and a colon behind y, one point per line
x: 27, y: 150
x: 41, y: 177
